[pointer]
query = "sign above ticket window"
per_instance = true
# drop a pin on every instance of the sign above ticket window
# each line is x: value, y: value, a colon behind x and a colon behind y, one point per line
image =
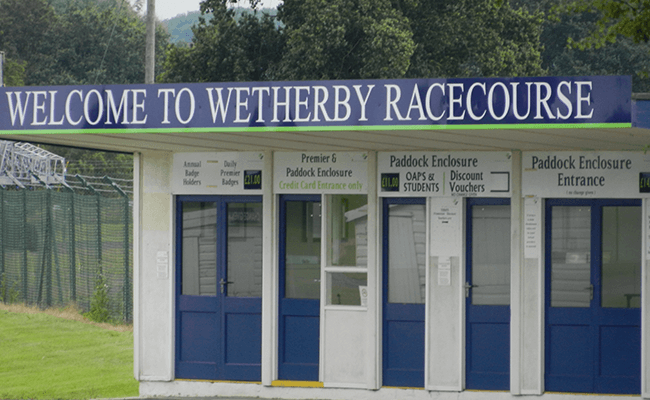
x: 320, y: 172
x: 444, y: 174
x: 586, y: 174
x: 218, y: 173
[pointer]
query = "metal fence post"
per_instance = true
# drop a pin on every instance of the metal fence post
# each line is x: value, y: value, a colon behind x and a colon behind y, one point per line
x: 3, y: 226
x: 46, y: 264
x: 73, y: 249
x: 46, y: 273
x: 23, y: 191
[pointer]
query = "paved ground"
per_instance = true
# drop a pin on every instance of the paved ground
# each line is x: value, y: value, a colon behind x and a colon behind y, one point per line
x: 187, y: 398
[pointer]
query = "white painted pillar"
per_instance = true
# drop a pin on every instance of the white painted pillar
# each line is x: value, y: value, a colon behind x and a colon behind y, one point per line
x: 154, y: 277
x: 645, y: 302
x: 137, y: 242
x: 516, y: 275
x: 374, y: 312
x: 531, y: 359
x: 269, y: 276
x: 445, y: 309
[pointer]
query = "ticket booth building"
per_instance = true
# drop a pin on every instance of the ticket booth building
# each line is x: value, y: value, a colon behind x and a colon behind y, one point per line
x: 377, y: 239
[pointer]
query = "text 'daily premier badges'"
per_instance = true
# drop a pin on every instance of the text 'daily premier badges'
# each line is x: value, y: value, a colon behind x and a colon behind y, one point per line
x: 218, y: 173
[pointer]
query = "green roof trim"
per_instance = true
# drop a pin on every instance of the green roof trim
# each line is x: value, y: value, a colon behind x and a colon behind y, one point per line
x: 317, y: 128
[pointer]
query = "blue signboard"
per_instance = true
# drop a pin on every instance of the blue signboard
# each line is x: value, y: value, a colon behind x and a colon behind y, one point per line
x: 485, y: 103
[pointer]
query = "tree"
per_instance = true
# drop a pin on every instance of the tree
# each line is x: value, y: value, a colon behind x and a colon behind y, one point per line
x: 361, y: 39
x: 314, y: 39
x: 629, y: 18
x: 90, y: 42
x: 93, y: 44
x: 344, y: 39
x: 24, y: 26
x: 560, y: 57
x: 473, y: 38
x: 624, y: 57
x: 13, y: 72
x: 224, y: 48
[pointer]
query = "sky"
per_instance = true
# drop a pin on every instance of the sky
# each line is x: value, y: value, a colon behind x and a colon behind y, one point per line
x: 166, y: 9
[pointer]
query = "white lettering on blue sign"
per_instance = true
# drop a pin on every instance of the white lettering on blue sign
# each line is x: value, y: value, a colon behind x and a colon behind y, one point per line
x: 321, y: 103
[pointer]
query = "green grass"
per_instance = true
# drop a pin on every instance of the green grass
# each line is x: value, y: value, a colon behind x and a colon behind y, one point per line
x: 46, y: 357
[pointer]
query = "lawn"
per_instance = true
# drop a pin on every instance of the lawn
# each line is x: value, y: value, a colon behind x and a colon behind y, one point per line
x: 58, y: 355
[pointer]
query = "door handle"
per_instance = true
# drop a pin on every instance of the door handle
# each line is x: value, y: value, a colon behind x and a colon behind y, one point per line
x: 223, y: 284
x: 468, y: 287
x: 590, y: 288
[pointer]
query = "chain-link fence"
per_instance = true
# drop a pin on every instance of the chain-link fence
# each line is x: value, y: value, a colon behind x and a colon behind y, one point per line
x: 56, y: 242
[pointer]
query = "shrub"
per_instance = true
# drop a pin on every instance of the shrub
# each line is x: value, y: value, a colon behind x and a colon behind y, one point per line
x: 99, y: 303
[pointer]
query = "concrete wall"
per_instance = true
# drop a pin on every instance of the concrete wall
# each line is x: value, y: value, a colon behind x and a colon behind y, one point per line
x: 153, y: 283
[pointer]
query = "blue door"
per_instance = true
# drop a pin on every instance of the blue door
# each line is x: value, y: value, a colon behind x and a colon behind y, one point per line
x: 593, y: 293
x: 487, y: 293
x: 299, y: 305
x: 404, y: 291
x: 219, y: 287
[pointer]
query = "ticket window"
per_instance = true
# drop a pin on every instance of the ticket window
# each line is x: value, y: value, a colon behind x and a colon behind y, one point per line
x: 346, y: 270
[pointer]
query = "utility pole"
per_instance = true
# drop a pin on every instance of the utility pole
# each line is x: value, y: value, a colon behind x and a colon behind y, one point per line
x: 150, y: 50
x: 2, y: 65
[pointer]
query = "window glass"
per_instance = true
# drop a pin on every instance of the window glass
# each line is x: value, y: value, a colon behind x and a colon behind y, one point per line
x: 244, y: 250
x: 406, y: 253
x: 348, y: 218
x: 570, y: 256
x: 491, y: 255
x: 302, y: 243
x: 346, y: 288
x: 199, y: 249
x: 621, y: 257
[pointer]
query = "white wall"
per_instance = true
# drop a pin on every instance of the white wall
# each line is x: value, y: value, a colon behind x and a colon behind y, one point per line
x: 531, y: 331
x: 445, y: 309
x: 154, y: 282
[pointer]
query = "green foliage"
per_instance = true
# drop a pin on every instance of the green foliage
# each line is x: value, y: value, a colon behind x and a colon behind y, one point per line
x: 63, y: 42
x: 624, y: 57
x: 629, y: 18
x: 225, y: 49
x: 344, y: 39
x: 180, y: 26
x: 563, y: 29
x: 13, y: 73
x: 99, y: 303
x: 9, y: 294
x: 25, y: 26
x: 361, y: 39
x: 474, y: 38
